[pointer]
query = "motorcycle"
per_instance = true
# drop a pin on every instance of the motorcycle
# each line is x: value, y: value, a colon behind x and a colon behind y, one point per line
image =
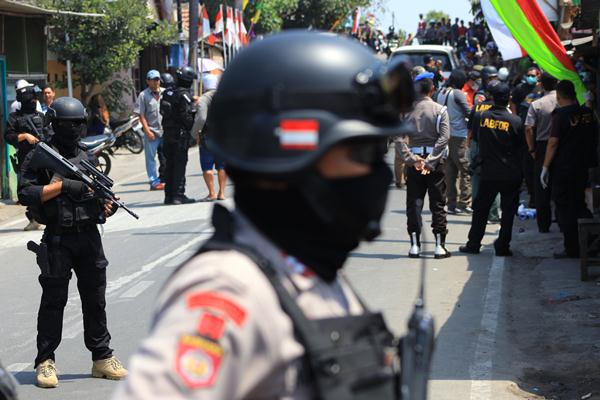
x: 97, y: 148
x: 128, y: 134
x: 125, y: 133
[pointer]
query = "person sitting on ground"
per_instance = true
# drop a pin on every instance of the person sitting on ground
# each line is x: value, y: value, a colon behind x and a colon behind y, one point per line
x: 200, y: 131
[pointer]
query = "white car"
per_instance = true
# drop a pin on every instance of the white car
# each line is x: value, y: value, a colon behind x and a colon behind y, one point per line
x: 414, y: 55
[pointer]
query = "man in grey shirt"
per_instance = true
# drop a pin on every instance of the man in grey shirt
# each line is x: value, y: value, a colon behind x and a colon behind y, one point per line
x: 538, y: 125
x: 457, y: 165
x: 148, y: 108
x: 199, y: 131
x: 424, y: 152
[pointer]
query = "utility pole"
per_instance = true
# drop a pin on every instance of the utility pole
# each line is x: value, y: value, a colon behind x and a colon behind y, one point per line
x: 193, y: 56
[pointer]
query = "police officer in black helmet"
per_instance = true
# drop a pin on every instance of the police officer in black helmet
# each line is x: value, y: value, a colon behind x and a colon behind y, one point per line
x: 71, y: 241
x: 166, y: 80
x: 488, y: 74
x: 25, y: 127
x: 305, y: 148
x: 176, y: 107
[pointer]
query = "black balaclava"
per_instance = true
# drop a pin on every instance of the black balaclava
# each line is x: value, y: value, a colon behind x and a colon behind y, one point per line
x: 319, y: 221
x: 67, y: 136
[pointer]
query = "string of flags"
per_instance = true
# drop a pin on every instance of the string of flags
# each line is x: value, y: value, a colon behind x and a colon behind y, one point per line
x: 229, y: 28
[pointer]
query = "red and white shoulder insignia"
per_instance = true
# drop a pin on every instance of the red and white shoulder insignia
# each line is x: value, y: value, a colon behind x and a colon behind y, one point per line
x: 198, y: 361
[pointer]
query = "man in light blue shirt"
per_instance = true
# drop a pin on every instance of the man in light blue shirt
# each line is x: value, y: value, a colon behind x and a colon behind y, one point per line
x: 148, y: 108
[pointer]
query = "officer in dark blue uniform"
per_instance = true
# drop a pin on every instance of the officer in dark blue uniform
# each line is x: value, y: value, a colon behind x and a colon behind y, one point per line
x: 176, y: 107
x: 499, y: 135
x: 25, y: 127
x: 571, y: 152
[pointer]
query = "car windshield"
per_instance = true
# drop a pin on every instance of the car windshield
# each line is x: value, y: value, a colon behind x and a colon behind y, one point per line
x: 415, y: 59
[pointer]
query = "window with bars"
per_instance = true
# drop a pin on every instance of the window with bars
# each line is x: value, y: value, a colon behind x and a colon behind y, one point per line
x: 24, y: 44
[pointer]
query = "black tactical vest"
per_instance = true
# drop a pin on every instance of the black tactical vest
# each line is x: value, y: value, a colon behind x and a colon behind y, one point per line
x: 347, y: 358
x: 66, y: 212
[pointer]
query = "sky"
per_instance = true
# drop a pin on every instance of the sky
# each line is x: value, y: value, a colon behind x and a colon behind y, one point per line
x: 407, y: 12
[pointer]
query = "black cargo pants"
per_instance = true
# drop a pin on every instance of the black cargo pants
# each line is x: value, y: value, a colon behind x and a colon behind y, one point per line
x: 434, y: 185
x: 82, y: 252
x: 175, y: 149
x: 568, y: 193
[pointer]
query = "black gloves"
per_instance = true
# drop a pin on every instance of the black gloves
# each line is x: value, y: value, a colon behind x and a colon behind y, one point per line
x: 74, y: 188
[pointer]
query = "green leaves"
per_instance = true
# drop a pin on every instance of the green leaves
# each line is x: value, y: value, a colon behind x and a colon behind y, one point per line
x: 101, y: 46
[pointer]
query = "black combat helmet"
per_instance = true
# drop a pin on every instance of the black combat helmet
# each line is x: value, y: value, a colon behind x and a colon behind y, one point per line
x: 66, y: 109
x: 489, y: 71
x: 167, y: 80
x: 285, y: 100
x: 186, y: 76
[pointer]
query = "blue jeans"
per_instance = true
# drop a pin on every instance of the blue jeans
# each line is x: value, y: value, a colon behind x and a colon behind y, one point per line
x: 150, y: 150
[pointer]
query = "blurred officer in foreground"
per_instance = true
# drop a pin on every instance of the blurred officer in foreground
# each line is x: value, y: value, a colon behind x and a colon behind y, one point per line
x: 262, y: 311
x: 571, y: 152
x: 25, y: 127
x: 498, y: 134
x: 424, y: 152
x: 71, y: 241
x: 538, y: 125
x: 177, y: 109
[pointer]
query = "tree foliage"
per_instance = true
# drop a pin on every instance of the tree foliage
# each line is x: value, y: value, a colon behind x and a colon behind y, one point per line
x: 101, y: 46
x: 436, y: 15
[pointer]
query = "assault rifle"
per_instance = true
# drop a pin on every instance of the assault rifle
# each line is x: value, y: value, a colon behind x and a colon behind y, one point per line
x: 417, y: 348
x: 45, y: 157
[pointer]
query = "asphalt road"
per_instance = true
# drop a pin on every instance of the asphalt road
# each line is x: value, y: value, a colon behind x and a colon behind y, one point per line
x: 463, y: 293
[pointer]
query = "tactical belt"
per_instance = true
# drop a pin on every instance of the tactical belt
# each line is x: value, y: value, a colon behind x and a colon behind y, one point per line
x: 71, y: 229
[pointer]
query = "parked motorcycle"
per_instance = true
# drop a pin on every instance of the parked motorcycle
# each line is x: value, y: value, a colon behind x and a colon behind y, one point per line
x: 125, y: 133
x: 128, y: 134
x: 97, y: 148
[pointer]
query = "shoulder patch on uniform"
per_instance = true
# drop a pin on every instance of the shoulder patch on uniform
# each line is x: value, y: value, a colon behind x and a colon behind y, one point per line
x: 198, y: 361
x: 211, y: 326
x: 217, y: 302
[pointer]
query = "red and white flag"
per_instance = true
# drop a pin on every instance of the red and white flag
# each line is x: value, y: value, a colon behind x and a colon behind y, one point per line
x: 219, y: 27
x: 205, y: 23
x: 356, y: 21
x: 229, y: 27
x: 243, y: 31
x: 298, y: 134
x: 238, y: 29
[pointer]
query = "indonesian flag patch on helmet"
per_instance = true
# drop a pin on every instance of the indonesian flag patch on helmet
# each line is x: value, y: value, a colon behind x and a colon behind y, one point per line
x: 298, y: 134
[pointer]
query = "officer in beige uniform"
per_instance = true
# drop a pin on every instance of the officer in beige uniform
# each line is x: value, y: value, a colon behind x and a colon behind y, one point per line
x: 262, y: 310
x: 424, y: 151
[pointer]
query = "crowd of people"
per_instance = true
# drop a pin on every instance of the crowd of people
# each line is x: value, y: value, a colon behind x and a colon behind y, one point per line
x: 498, y: 135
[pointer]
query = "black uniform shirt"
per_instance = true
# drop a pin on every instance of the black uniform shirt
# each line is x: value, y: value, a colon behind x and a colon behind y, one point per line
x: 31, y: 183
x: 499, y: 135
x: 21, y: 122
x: 576, y: 129
x: 478, y: 109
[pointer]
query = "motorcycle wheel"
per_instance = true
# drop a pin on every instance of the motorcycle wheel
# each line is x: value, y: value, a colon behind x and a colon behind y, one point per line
x: 103, y: 163
x: 134, y: 142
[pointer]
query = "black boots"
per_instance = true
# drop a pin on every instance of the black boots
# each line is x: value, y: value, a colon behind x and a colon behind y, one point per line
x: 440, y: 247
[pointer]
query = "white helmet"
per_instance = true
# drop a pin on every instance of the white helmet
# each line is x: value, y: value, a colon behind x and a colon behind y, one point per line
x: 21, y: 83
x: 503, y: 74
